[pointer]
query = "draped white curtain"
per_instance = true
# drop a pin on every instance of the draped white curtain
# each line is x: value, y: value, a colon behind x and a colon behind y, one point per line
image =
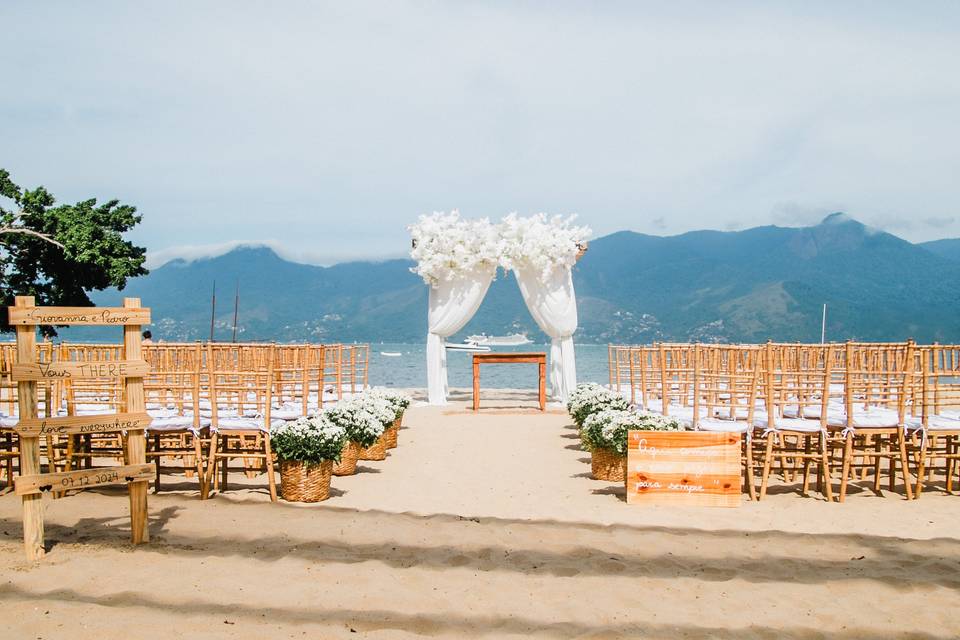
x: 553, y: 305
x: 452, y: 304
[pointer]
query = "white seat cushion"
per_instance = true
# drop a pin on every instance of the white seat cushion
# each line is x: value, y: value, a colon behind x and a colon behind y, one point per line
x: 8, y: 422
x: 725, y: 426
x: 801, y: 425
x: 934, y: 423
x: 175, y: 423
x: 874, y: 418
x: 245, y: 424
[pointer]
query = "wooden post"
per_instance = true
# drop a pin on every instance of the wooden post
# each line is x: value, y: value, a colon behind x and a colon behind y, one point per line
x: 136, y: 440
x: 476, y: 383
x: 29, y: 446
x: 542, y: 383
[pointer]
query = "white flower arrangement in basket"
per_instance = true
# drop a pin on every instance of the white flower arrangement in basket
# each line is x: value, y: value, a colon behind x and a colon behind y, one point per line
x: 398, y: 401
x: 589, y: 398
x: 608, y: 429
x: 310, y: 440
x: 361, y: 418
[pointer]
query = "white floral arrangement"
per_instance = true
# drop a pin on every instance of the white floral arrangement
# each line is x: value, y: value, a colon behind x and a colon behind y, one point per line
x: 361, y: 418
x: 540, y: 243
x: 397, y: 400
x: 311, y: 440
x: 447, y: 248
x: 590, y: 397
x: 609, y: 428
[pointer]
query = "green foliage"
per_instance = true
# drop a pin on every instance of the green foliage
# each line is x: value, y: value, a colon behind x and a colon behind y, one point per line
x: 94, y: 255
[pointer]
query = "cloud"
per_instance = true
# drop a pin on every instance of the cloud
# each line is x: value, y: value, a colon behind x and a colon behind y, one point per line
x: 347, y: 121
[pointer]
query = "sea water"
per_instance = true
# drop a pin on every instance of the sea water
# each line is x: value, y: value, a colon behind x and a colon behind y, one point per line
x: 409, y: 369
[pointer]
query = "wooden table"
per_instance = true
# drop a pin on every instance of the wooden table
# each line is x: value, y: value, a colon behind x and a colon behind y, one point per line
x: 539, y: 359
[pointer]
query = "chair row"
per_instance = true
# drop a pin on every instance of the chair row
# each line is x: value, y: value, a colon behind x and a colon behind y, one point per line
x: 833, y: 407
x: 209, y: 403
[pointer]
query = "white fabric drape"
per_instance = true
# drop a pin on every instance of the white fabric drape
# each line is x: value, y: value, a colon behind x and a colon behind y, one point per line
x: 553, y: 305
x: 452, y: 304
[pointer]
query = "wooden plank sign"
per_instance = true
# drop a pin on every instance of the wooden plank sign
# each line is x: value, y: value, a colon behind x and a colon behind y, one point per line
x: 695, y: 468
x: 110, y: 316
x: 83, y: 479
x: 70, y: 369
x: 108, y: 423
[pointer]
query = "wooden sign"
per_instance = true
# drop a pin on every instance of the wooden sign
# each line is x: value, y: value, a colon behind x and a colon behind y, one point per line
x: 110, y: 423
x: 83, y: 479
x: 695, y: 468
x: 69, y: 369
x: 110, y: 316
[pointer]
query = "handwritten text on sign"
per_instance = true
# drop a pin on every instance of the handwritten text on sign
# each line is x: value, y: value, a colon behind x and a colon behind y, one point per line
x: 111, y: 423
x: 82, y: 479
x: 61, y: 370
x: 683, y: 467
x: 110, y: 316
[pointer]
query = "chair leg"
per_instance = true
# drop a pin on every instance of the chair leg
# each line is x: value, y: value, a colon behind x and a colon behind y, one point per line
x: 198, y: 461
x: 806, y: 463
x: 847, y: 459
x: 156, y: 462
x: 951, y: 448
x: 212, y: 459
x: 825, y: 466
x: 921, y: 468
x: 767, y: 459
x: 904, y: 463
x: 877, y: 460
x: 268, y: 460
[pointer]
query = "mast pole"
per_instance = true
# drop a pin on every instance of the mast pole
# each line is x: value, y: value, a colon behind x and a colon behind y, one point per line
x: 213, y: 308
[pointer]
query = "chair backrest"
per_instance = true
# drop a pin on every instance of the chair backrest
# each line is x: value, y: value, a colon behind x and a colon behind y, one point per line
x: 173, y: 382
x: 726, y: 382
x: 241, y: 381
x: 797, y: 382
x: 677, y: 367
x: 940, y: 382
x: 876, y: 376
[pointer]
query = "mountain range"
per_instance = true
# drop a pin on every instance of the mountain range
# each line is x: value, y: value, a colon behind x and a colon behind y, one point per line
x: 763, y: 283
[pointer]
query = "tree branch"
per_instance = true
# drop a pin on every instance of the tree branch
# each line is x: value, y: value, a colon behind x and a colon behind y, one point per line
x: 30, y: 232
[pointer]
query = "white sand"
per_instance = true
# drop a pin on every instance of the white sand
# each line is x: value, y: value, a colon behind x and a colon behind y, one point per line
x: 484, y: 525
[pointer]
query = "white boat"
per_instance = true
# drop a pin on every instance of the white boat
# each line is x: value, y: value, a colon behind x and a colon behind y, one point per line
x: 391, y: 354
x: 511, y: 340
x: 469, y: 347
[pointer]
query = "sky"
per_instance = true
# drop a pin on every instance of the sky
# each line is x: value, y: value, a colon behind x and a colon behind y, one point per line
x: 324, y: 128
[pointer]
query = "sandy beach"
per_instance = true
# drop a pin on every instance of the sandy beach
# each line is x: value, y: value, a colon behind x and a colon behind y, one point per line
x: 483, y: 525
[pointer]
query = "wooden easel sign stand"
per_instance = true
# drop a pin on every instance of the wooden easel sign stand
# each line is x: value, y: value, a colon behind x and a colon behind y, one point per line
x: 32, y: 484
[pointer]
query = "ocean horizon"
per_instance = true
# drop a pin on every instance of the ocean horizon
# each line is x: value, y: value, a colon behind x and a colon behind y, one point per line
x: 409, y: 369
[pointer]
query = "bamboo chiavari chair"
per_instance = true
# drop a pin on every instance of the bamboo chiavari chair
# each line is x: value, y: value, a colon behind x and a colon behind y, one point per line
x: 873, y: 416
x: 92, y: 396
x: 939, y: 421
x: 9, y: 441
x: 172, y: 392
x: 241, y: 403
x: 797, y: 393
x: 677, y: 370
x: 333, y: 369
x: 726, y: 386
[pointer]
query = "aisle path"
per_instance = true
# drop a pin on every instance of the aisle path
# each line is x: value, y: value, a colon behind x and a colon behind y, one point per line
x: 484, y: 525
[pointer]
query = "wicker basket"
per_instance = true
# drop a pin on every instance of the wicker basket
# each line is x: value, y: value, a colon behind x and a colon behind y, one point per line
x: 348, y: 460
x: 376, y: 451
x: 608, y: 465
x: 301, y: 482
x: 391, y: 433
x: 399, y: 421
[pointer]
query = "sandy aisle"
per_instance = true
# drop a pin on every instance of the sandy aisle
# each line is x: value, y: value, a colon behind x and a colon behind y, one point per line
x: 485, y: 525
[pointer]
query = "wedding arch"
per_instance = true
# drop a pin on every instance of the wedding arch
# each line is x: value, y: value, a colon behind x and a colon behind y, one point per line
x: 459, y: 258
